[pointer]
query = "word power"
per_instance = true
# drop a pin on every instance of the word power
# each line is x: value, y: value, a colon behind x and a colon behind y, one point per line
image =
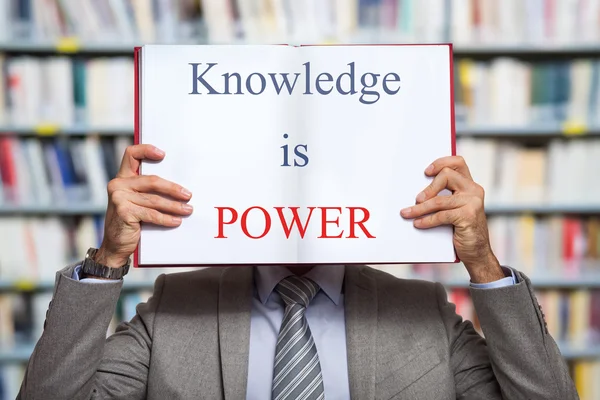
x: 228, y: 216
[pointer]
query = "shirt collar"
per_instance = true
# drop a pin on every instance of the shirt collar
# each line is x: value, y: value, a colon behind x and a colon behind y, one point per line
x: 330, y: 279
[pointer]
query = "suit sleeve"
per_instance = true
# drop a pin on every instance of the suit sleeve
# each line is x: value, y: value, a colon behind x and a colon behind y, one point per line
x: 518, y: 358
x: 74, y: 360
x: 469, y: 359
x: 526, y: 361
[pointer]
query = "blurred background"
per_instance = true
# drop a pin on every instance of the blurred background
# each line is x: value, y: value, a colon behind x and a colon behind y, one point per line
x: 527, y: 92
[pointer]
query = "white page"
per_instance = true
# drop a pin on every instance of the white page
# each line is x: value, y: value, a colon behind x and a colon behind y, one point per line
x: 227, y: 150
x: 224, y: 149
x: 374, y: 155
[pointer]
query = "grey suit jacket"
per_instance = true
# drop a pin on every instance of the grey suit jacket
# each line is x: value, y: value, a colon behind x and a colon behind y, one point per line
x: 190, y: 341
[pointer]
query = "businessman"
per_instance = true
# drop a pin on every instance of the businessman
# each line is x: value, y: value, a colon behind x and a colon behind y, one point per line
x: 270, y: 332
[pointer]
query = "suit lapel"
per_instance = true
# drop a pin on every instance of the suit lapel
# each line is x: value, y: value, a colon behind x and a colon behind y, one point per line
x: 360, y: 296
x: 235, y: 303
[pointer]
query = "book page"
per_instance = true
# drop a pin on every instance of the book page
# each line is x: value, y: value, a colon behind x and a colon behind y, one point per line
x: 225, y: 148
x: 369, y: 148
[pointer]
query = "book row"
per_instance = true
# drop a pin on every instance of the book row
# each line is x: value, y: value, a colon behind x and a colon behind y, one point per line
x: 98, y: 92
x: 34, y: 248
x: 268, y: 21
x: 547, y: 246
x: 22, y: 315
x: 99, y: 20
x: 572, y: 316
x: 65, y: 91
x: 511, y: 92
x: 560, y: 172
x: 43, y: 171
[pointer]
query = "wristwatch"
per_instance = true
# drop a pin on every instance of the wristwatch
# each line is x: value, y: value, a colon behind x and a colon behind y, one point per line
x: 91, y: 267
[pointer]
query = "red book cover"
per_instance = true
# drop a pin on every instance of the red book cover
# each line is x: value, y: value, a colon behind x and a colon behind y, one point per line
x: 7, y: 166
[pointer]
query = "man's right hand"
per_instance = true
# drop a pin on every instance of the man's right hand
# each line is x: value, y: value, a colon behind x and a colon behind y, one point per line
x: 134, y: 198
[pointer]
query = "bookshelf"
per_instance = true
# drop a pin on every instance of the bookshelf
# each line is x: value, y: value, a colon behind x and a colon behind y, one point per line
x: 55, y: 130
x: 533, y: 131
x: 74, y: 46
x: 523, y: 42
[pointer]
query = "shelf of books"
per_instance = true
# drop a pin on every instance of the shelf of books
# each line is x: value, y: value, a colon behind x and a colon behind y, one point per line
x: 527, y: 94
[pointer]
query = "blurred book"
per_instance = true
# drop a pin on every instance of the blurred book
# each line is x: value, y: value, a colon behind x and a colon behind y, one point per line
x: 560, y: 172
x: 99, y: 20
x: 61, y: 91
x: 540, y: 94
x: 464, y: 22
x: 46, y: 171
x: 585, y: 375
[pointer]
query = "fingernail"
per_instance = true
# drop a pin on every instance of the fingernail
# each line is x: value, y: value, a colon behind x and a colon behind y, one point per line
x: 186, y: 192
x: 406, y: 211
x: 417, y: 222
x: 176, y: 220
x: 421, y: 197
x: 159, y: 151
x: 187, y: 208
x: 429, y: 169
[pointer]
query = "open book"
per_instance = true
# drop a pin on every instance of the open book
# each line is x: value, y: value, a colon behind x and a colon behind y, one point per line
x: 295, y: 154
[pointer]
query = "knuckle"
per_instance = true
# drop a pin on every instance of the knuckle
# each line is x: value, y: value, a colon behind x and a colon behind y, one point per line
x: 478, y: 203
x: 157, y: 217
x: 438, y: 201
x: 480, y: 191
x: 470, y: 212
x: 153, y: 180
x: 151, y: 200
x: 129, y: 150
x: 445, y: 172
x: 452, y: 216
x: 113, y: 185
x: 155, y: 201
x: 175, y: 188
x: 117, y: 197
x: 428, y: 189
x: 461, y: 160
x: 122, y: 210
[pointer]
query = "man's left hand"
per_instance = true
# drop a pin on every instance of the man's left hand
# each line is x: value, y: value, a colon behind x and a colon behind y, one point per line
x: 463, y: 209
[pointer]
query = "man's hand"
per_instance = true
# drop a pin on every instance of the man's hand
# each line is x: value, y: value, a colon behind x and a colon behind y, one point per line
x: 463, y: 209
x: 136, y: 198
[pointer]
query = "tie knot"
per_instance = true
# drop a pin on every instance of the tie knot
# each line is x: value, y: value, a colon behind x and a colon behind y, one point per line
x: 297, y: 290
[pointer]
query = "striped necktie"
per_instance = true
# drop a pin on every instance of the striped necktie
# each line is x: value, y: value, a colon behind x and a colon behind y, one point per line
x: 297, y: 371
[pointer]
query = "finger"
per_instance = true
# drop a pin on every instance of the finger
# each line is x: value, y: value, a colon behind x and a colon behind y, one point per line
x: 160, y: 203
x: 156, y: 184
x: 446, y: 179
x: 438, y: 203
x: 456, y: 163
x: 447, y: 217
x: 154, y: 217
x: 134, y: 155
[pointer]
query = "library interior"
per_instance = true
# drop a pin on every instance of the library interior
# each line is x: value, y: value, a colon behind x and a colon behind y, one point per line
x: 527, y: 109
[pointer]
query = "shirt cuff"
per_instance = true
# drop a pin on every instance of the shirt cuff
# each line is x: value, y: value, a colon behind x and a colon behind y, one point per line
x: 510, y: 280
x: 77, y: 273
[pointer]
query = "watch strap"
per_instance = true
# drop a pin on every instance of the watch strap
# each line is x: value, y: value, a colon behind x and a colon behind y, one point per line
x: 91, y: 268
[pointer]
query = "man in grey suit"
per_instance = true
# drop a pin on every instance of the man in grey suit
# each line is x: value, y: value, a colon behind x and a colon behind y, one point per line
x: 332, y: 332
